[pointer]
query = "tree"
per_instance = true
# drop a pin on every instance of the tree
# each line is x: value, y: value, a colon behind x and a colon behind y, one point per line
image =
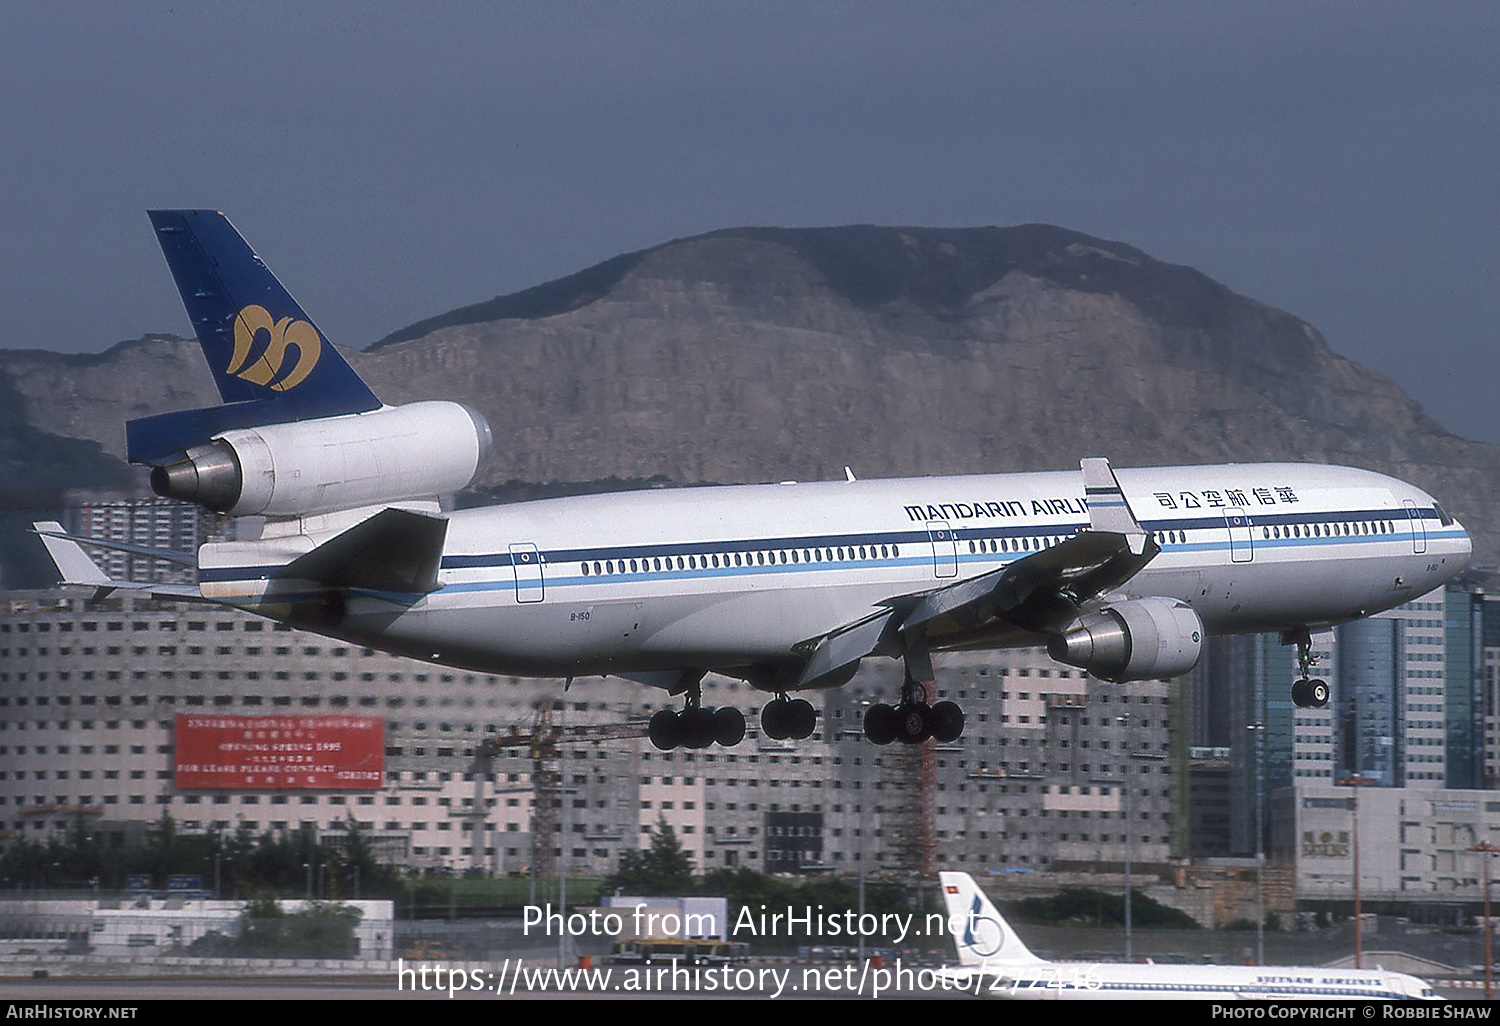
x: 664, y: 868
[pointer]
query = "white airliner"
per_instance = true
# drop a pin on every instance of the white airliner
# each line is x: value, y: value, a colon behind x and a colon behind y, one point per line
x: 787, y: 586
x: 994, y: 963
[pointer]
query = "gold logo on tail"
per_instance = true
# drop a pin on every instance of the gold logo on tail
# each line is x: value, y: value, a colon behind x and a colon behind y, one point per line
x: 285, y: 332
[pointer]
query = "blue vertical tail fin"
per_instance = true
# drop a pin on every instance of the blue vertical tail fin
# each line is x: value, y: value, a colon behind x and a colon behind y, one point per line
x: 270, y: 362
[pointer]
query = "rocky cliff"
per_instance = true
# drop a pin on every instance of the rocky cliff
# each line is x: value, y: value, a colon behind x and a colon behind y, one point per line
x: 766, y: 354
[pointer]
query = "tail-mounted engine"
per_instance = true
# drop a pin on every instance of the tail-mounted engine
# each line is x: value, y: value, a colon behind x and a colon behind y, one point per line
x: 307, y: 467
x: 1141, y: 639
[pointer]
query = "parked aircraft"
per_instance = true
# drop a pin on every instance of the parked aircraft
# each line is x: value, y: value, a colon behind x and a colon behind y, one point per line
x: 787, y: 586
x: 993, y: 962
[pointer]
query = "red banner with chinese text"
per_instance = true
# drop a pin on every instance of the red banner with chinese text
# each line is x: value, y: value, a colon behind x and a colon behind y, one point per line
x: 253, y: 753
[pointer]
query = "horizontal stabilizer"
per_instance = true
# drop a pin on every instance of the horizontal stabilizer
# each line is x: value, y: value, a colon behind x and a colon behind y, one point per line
x: 77, y: 568
x: 72, y: 562
x: 396, y: 550
x: 54, y: 530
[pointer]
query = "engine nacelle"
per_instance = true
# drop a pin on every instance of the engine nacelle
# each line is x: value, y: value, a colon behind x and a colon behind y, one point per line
x: 1141, y: 639
x: 307, y: 467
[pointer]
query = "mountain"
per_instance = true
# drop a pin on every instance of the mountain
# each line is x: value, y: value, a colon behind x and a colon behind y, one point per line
x: 762, y: 354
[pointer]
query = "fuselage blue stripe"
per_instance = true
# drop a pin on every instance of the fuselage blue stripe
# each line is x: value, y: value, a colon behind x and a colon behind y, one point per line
x: 1023, y: 540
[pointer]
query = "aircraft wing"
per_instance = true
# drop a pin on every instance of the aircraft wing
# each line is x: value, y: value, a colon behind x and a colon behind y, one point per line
x: 396, y: 550
x: 1040, y: 592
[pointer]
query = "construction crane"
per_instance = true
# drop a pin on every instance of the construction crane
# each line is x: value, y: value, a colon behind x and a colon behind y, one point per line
x: 543, y: 741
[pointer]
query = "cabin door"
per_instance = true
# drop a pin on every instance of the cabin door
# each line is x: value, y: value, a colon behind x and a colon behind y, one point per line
x: 527, y: 563
x: 944, y: 549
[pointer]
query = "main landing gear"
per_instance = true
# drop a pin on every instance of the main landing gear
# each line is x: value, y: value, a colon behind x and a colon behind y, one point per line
x: 1306, y: 693
x: 913, y: 720
x: 695, y: 726
x: 783, y: 718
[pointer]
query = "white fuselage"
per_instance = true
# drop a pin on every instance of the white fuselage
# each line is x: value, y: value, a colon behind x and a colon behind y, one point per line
x: 1073, y: 981
x: 733, y: 577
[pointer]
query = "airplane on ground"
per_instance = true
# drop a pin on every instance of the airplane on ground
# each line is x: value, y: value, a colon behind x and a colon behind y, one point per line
x: 993, y: 962
x: 787, y: 586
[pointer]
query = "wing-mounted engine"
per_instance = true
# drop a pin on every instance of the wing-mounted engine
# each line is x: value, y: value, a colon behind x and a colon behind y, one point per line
x: 316, y: 466
x: 1137, y: 639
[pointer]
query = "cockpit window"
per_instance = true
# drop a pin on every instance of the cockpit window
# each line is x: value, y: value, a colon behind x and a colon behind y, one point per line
x: 1443, y: 514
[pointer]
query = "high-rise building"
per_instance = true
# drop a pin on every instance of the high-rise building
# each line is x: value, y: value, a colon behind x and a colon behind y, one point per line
x: 1410, y: 702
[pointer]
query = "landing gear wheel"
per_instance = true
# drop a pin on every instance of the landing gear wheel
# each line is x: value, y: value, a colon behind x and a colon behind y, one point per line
x: 947, y: 721
x: 1299, y: 693
x: 728, y: 726
x: 880, y: 724
x: 663, y: 730
x: 697, y: 726
x: 1317, y: 693
x: 774, y: 719
x: 913, y: 723
x: 802, y: 719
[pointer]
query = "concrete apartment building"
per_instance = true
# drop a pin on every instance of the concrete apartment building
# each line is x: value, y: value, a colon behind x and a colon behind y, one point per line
x: 1049, y: 764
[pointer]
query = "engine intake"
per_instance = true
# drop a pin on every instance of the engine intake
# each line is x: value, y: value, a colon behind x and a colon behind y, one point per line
x: 1141, y: 639
x: 307, y: 467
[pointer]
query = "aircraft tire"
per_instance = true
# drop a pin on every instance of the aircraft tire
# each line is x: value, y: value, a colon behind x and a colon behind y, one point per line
x: 1317, y: 693
x: 665, y: 730
x: 880, y: 724
x: 773, y: 720
x: 729, y: 726
x: 697, y: 728
x: 947, y: 722
x: 913, y: 723
x: 802, y: 719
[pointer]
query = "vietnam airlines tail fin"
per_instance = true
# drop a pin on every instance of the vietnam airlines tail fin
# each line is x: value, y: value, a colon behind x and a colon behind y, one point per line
x: 980, y: 932
x: 270, y: 362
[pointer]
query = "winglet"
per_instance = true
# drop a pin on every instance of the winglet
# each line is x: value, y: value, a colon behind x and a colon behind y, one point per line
x: 71, y: 561
x: 1108, y: 509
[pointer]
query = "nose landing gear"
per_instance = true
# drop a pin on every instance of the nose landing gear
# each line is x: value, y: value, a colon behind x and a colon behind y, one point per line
x: 1308, y: 693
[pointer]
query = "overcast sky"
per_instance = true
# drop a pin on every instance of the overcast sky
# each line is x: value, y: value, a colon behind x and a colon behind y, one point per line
x: 393, y: 161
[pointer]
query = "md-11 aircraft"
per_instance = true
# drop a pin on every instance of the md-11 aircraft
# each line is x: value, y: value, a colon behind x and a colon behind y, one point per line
x: 993, y: 962
x: 787, y: 586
